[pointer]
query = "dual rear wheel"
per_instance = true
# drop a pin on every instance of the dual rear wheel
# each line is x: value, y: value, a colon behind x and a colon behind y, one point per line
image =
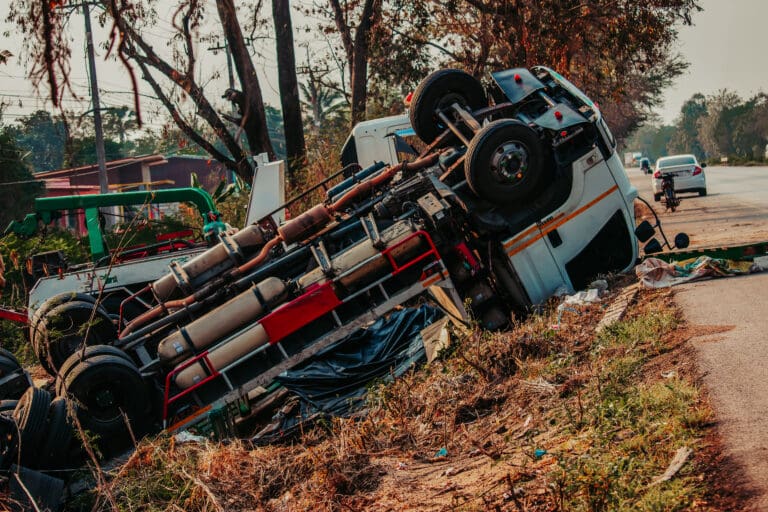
x: 505, y: 161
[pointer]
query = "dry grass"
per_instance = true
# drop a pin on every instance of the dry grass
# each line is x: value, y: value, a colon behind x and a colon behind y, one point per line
x: 547, y: 416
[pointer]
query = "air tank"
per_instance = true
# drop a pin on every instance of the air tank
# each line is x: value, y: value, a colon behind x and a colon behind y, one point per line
x: 224, y: 355
x: 221, y: 321
x: 226, y: 254
x: 255, y: 337
x: 365, y: 250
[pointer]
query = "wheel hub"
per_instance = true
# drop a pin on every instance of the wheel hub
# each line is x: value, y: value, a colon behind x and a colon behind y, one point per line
x: 510, y: 162
x: 105, y: 398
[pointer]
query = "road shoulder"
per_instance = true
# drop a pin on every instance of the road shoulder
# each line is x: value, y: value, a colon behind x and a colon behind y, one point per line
x: 729, y: 319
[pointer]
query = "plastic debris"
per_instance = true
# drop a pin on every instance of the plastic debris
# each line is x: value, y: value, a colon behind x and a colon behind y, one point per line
x: 187, y: 437
x: 539, y: 453
x: 442, y: 452
x: 656, y: 273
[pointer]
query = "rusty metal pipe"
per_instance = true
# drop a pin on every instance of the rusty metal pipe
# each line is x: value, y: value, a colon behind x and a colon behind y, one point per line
x: 368, y: 185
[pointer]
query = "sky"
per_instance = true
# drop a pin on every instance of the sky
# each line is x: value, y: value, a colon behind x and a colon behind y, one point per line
x: 724, y: 47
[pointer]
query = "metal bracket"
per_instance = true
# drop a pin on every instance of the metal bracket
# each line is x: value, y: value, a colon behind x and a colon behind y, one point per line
x: 321, y: 256
x: 372, y: 231
x: 181, y: 276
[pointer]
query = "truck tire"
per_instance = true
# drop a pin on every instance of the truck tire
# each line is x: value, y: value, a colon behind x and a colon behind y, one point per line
x: 39, y: 315
x: 14, y: 387
x: 438, y: 91
x: 30, y: 415
x: 52, y: 302
x: 65, y: 328
x: 89, y: 352
x: 9, y: 357
x: 505, y: 163
x: 104, y: 387
x: 56, y: 446
x: 7, y: 407
x: 9, y: 442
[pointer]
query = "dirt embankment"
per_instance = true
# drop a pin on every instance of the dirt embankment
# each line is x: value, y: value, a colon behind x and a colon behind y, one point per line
x: 548, y: 416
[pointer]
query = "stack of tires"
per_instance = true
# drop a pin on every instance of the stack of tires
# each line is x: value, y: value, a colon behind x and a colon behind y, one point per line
x: 98, y: 388
x: 38, y: 432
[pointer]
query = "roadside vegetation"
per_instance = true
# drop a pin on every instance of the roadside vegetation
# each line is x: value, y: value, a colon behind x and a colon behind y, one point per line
x: 547, y: 416
x: 722, y: 127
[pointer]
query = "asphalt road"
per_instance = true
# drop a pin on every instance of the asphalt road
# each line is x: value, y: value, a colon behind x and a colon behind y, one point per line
x: 734, y: 211
x: 734, y: 362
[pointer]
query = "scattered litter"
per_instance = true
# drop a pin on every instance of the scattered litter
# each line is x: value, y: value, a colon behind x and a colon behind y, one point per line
x: 759, y: 264
x: 656, y: 273
x: 669, y: 375
x: 601, y: 285
x: 450, y: 471
x: 402, y: 465
x: 618, y: 307
x: 541, y: 384
x: 187, y: 437
x: 582, y: 298
x: 539, y: 453
x: 442, y: 452
x: 679, y: 459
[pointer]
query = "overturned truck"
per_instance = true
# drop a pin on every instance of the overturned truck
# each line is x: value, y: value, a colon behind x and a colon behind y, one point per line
x: 518, y: 193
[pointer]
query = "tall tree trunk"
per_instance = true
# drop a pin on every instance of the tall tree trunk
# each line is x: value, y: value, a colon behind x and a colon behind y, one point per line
x: 357, y: 50
x: 359, y: 72
x: 252, y: 102
x: 289, y: 87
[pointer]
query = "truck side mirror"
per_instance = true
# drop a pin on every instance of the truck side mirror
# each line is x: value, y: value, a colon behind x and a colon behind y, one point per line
x: 644, y: 231
x: 652, y: 247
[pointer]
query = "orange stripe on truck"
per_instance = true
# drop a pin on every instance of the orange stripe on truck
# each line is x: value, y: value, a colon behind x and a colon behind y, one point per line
x: 555, y: 223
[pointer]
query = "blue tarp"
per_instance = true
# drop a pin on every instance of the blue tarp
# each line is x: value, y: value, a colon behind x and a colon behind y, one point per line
x: 335, y: 380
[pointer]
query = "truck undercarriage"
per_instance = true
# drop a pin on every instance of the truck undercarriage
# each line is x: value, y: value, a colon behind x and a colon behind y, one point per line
x: 516, y: 196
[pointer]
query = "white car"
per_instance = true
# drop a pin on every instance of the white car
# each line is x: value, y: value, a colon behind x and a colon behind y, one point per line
x: 686, y: 171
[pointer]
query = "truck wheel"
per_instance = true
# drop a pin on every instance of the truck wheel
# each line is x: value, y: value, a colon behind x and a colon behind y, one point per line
x: 438, y: 91
x: 14, y: 387
x: 52, y: 302
x: 77, y: 357
x: 58, y: 439
x: 9, y: 442
x: 30, y: 416
x: 8, y: 406
x: 104, y: 388
x: 66, y: 327
x: 505, y: 163
x: 10, y: 360
x: 702, y: 192
x: 40, y: 314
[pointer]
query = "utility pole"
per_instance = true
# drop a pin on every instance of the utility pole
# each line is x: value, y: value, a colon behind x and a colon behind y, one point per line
x: 100, y: 154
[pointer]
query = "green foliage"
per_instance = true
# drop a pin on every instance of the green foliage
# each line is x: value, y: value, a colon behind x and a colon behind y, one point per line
x: 15, y: 251
x: 629, y: 429
x: 16, y: 182
x: 42, y: 137
x: 276, y: 130
x: 652, y: 141
x: 711, y: 127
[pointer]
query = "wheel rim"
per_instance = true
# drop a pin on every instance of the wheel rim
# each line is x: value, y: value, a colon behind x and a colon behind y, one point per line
x: 509, y: 163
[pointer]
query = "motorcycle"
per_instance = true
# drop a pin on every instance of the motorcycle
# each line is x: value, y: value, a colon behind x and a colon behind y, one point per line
x: 671, y: 201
